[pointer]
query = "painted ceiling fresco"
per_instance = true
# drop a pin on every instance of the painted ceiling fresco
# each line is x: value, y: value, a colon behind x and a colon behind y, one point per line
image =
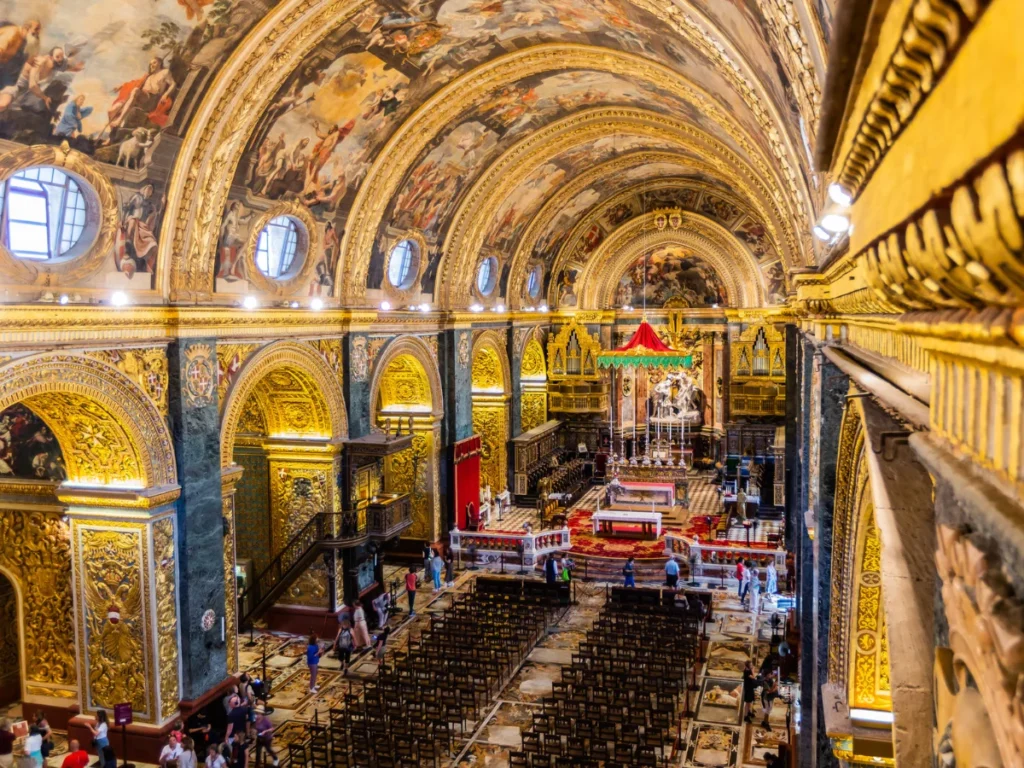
x: 670, y: 277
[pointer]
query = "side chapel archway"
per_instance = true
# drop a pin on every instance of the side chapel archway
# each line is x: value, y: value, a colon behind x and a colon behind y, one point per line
x: 533, y: 379
x: 406, y: 384
x: 492, y: 386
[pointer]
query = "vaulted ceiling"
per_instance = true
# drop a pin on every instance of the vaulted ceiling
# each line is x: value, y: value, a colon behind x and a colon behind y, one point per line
x: 518, y: 129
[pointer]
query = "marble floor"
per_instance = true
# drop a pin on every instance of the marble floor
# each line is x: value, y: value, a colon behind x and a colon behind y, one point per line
x: 714, y: 736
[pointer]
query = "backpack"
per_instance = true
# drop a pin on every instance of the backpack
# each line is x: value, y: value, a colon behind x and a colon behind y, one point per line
x: 345, y: 640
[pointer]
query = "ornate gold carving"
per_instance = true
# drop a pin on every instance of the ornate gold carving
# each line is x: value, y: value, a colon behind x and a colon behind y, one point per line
x: 985, y: 631
x: 230, y: 359
x: 490, y: 421
x: 360, y: 359
x: 407, y: 472
x: 375, y: 345
x: 331, y: 351
x: 404, y: 385
x: 533, y: 366
x: 52, y: 273
x: 10, y: 665
x: 787, y: 38
x: 297, y: 391
x: 300, y: 487
x: 146, y: 367
x: 165, y: 584
x: 111, y: 563
x: 932, y: 32
x: 572, y: 353
x: 308, y: 248
x: 98, y: 411
x: 869, y: 671
x: 230, y: 580
x: 757, y: 382
x: 463, y: 348
x: 964, y: 249
x: 533, y: 410
x: 36, y: 552
x: 487, y: 374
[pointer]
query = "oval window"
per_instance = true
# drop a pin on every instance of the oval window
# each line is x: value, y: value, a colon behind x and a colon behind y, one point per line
x: 404, y: 264
x: 43, y: 213
x: 277, y: 247
x: 486, y: 275
x: 533, y: 282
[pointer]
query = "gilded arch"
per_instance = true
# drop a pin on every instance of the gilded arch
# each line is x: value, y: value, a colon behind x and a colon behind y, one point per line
x: 312, y: 382
x: 424, y: 355
x: 109, y: 430
x: 491, y: 344
x: 736, y: 267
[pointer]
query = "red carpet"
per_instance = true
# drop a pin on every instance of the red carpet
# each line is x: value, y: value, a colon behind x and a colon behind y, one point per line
x: 584, y: 542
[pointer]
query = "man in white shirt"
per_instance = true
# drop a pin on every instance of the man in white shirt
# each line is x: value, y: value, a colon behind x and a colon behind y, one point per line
x: 171, y: 752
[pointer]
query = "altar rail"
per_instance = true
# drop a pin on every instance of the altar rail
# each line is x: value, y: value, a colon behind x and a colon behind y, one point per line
x: 716, y: 558
x: 491, y: 546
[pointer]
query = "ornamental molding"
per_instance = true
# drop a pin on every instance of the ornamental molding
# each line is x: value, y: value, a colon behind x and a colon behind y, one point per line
x: 495, y: 341
x: 418, y: 349
x: 711, y: 242
x: 308, y: 248
x: 933, y: 31
x: 476, y: 212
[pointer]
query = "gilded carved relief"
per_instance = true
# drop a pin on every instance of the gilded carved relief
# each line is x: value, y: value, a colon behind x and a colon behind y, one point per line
x: 230, y: 359
x: 533, y: 366
x: 487, y: 372
x: 113, y: 562
x: 533, y: 411
x: 146, y: 367
x: 298, y: 491
x: 164, y: 564
x: 491, y: 423
x: 37, y: 552
x: 870, y: 687
x: 198, y: 375
x: 409, y: 471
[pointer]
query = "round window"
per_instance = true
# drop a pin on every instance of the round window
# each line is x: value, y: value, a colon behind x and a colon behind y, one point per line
x: 404, y: 264
x: 487, y: 275
x: 533, y: 282
x: 278, y: 247
x: 43, y: 213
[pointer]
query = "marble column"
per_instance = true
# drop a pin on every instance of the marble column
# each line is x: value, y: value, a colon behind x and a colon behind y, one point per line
x: 357, y: 384
x: 516, y: 344
x: 195, y: 428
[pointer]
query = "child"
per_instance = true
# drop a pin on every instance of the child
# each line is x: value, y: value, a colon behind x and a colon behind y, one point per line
x: 343, y: 647
x: 313, y: 661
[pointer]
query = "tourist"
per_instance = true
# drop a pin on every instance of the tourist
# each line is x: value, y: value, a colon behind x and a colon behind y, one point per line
x: 312, y: 661
x: 198, y: 729
x: 99, y: 731
x: 360, y: 632
x: 214, y: 758
x: 178, y: 729
x: 6, y: 744
x: 428, y: 556
x: 380, y: 644
x: 380, y: 604
x: 76, y: 756
x: 34, y: 745
x: 245, y: 691
x: 749, y: 687
x: 108, y: 757
x: 47, y: 733
x: 436, y: 566
x: 771, y: 585
x: 567, y: 568
x: 342, y: 648
x: 754, y: 592
x: 739, y: 579
x: 550, y: 570
x: 238, y: 718
x: 629, y: 572
x: 769, y: 693
x: 345, y: 615
x: 170, y: 753
x: 681, y: 602
x: 449, y: 571
x: 768, y: 665
x: 188, y: 758
x: 771, y: 760
x: 230, y: 701
x: 410, y: 589
x: 265, y: 736
x: 671, y: 573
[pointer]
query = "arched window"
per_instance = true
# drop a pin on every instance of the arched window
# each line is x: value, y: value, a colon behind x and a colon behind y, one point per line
x: 403, y: 264
x: 486, y: 276
x: 277, y: 247
x: 43, y: 213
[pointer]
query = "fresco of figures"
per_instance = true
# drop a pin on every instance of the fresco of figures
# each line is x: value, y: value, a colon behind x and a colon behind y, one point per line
x: 670, y: 277
x: 28, y: 449
x: 109, y: 78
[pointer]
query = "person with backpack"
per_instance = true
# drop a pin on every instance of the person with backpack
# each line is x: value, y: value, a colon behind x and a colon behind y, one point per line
x: 410, y: 589
x: 629, y: 573
x: 343, y: 647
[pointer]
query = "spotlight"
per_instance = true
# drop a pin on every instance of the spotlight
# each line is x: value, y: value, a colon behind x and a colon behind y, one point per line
x: 476, y: 308
x: 543, y: 307
x: 531, y: 309
x: 821, y: 234
x: 63, y: 298
x: 500, y: 308
x: 836, y: 223
x: 839, y: 196
x: 316, y: 304
x: 714, y: 306
x: 249, y: 302
x: 385, y: 306
x: 119, y: 298
x: 294, y: 305
x: 424, y: 307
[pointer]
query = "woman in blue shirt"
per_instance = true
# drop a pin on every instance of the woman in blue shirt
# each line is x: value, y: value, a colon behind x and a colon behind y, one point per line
x: 312, y: 661
x: 629, y: 571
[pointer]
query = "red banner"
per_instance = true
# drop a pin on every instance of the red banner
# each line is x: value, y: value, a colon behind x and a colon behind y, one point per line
x: 467, y: 480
